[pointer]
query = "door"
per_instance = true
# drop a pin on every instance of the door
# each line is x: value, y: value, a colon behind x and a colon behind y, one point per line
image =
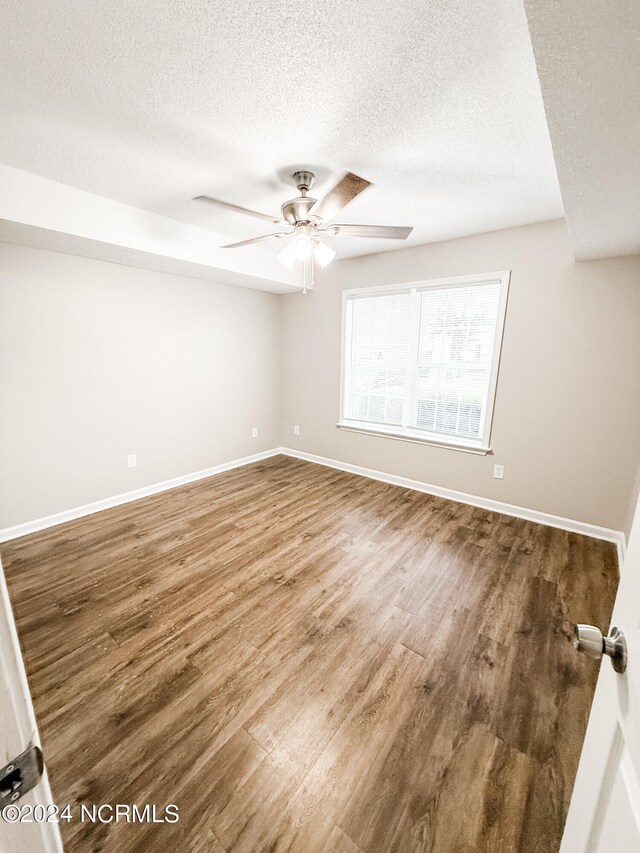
x: 17, y: 732
x: 604, y: 815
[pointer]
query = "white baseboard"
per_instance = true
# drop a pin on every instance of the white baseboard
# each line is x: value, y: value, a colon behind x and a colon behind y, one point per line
x: 593, y: 530
x: 107, y: 503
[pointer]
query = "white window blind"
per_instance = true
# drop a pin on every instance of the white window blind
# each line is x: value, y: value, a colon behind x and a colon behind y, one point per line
x: 379, y: 358
x: 421, y: 361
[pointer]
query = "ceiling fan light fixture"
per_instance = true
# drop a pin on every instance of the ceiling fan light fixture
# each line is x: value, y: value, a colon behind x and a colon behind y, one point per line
x: 286, y: 256
x: 302, y: 247
x: 322, y: 253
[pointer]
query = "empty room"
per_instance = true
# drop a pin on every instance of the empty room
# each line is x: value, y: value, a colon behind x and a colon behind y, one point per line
x: 320, y: 426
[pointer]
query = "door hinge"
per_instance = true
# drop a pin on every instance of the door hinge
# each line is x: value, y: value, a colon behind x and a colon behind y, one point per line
x: 22, y: 774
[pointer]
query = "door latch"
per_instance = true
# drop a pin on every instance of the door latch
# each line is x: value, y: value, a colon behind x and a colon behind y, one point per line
x: 22, y: 774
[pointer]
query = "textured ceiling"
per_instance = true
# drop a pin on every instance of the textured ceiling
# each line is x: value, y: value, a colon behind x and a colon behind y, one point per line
x: 588, y: 55
x: 152, y: 102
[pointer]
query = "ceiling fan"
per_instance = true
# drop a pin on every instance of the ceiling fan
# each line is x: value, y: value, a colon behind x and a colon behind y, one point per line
x: 309, y: 220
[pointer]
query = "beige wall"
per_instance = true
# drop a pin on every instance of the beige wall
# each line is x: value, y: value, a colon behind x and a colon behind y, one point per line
x: 99, y: 360
x: 567, y: 414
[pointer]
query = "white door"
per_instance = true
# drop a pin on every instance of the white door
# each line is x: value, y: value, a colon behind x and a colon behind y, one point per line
x: 17, y: 732
x: 604, y: 815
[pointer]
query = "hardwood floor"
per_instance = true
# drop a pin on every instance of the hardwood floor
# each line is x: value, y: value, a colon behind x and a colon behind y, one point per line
x: 306, y: 660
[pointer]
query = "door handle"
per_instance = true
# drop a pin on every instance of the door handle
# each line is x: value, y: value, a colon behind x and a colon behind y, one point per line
x: 589, y: 641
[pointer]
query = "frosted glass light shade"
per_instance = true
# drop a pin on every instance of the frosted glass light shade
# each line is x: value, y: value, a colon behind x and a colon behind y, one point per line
x: 323, y: 254
x: 286, y: 256
x: 301, y: 247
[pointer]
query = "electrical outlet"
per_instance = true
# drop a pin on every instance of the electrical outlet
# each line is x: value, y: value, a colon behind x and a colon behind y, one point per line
x: 254, y: 432
x: 498, y: 472
x: 132, y: 460
x: 296, y: 429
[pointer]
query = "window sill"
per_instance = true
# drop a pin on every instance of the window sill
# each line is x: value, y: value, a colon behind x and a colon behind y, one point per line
x: 417, y: 439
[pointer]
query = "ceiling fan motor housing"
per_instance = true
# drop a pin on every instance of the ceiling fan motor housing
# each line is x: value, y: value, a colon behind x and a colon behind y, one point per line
x: 296, y: 210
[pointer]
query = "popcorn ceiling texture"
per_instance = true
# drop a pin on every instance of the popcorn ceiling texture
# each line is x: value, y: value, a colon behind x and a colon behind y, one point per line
x: 152, y: 102
x: 588, y: 56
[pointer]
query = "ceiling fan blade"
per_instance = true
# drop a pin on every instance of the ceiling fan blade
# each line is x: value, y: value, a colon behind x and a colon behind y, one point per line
x: 256, y: 239
x: 347, y: 188
x: 276, y: 219
x: 387, y: 232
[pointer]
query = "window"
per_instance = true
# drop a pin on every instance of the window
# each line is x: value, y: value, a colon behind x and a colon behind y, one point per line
x: 420, y: 361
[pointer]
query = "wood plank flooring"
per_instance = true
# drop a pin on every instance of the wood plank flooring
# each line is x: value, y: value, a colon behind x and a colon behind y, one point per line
x: 306, y: 660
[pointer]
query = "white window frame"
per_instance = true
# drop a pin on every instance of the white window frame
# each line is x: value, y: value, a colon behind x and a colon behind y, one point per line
x: 481, y: 445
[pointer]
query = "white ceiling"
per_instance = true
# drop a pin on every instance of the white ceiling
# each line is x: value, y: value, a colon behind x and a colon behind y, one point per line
x: 588, y: 58
x: 150, y: 103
